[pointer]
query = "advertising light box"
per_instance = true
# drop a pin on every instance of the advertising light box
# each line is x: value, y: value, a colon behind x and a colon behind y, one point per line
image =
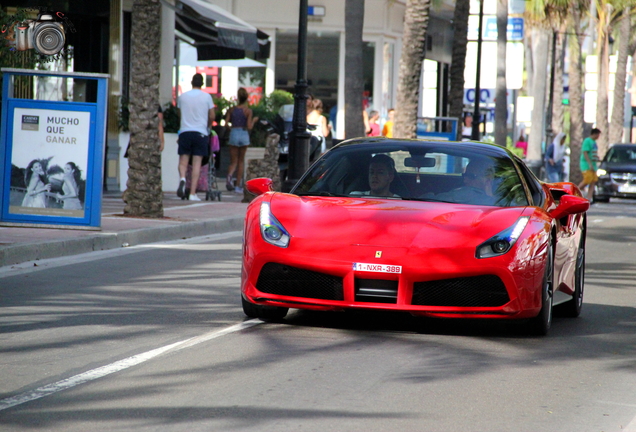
x: 52, y: 161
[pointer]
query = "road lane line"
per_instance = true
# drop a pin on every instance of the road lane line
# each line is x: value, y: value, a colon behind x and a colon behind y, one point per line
x: 120, y: 365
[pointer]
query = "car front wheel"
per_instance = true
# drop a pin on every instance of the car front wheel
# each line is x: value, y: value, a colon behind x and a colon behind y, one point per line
x: 573, y: 307
x: 540, y: 325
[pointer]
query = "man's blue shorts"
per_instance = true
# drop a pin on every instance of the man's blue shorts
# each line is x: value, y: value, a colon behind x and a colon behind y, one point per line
x: 194, y: 143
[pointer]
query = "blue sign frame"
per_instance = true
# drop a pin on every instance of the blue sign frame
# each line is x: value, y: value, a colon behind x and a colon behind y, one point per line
x: 442, y: 128
x: 61, y: 186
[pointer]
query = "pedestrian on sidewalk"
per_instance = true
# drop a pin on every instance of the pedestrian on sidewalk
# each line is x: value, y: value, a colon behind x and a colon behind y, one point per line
x: 321, y: 130
x: 589, y: 156
x: 196, y: 110
x: 387, y: 129
x: 241, y: 120
x: 554, y: 155
x: 374, y: 126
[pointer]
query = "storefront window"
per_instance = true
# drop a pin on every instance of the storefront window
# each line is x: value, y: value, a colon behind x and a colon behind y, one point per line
x: 322, y: 64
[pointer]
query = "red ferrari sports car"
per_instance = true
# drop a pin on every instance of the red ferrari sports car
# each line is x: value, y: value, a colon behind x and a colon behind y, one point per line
x: 439, y: 229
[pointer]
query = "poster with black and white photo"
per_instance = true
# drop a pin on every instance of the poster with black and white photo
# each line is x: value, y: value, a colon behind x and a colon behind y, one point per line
x: 49, y: 162
x: 252, y: 79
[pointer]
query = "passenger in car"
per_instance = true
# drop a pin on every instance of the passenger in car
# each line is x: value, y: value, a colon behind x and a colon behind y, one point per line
x: 477, y: 185
x: 381, y: 174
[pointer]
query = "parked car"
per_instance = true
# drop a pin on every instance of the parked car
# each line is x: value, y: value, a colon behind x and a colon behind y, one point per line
x: 464, y: 230
x: 617, y: 173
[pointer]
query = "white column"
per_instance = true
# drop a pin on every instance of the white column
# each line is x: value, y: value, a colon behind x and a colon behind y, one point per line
x: 340, y: 132
x: 270, y: 72
x: 167, y: 54
x: 378, y: 72
x: 229, y: 81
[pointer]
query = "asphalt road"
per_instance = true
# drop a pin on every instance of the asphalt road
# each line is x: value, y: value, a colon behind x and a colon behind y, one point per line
x: 152, y: 338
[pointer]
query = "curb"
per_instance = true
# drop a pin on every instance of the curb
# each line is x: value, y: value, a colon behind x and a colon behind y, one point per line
x: 33, y: 251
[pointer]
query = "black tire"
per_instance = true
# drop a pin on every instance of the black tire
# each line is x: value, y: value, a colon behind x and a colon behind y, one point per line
x: 540, y: 325
x: 263, y: 312
x: 572, y: 308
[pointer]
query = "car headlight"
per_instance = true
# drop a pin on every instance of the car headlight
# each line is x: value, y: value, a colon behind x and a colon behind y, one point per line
x: 601, y: 172
x: 272, y: 231
x: 502, y: 242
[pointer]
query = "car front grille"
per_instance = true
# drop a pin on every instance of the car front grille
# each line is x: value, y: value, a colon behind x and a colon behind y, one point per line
x: 476, y: 291
x: 284, y: 280
x: 623, y: 177
x: 376, y: 291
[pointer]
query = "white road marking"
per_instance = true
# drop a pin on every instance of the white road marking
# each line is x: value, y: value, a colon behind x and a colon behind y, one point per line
x: 120, y: 365
x: 44, y: 264
x: 631, y: 427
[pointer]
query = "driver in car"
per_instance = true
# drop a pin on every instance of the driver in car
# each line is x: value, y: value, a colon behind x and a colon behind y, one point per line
x: 477, y: 185
x: 381, y: 174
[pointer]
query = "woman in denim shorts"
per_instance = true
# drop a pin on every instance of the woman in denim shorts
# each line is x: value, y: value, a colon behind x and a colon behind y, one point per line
x: 241, y: 121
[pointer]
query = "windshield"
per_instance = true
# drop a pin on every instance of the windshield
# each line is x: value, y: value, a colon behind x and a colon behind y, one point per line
x: 437, y: 172
x: 621, y: 154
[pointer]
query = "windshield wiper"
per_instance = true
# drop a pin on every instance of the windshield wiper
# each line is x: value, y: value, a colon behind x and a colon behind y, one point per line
x: 320, y: 193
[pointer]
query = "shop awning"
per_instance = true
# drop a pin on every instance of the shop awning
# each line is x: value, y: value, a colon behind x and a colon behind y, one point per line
x: 217, y: 34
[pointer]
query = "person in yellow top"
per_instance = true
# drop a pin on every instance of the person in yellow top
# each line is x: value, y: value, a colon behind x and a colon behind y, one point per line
x: 387, y: 130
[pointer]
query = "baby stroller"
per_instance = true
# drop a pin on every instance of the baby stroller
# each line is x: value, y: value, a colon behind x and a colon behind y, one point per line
x: 207, y: 179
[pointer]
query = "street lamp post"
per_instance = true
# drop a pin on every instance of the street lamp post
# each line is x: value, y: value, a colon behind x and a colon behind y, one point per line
x: 477, y: 112
x: 299, y: 139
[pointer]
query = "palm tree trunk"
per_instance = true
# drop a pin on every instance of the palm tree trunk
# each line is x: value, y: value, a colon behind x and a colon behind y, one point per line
x: 602, y: 91
x: 354, y: 82
x: 540, y: 41
x: 410, y: 73
x: 558, y: 110
x: 618, y: 108
x: 143, y: 196
x: 501, y: 97
x: 527, y: 48
x: 575, y: 74
x: 458, y: 62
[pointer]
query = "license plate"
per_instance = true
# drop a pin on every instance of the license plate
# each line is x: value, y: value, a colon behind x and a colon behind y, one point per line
x: 627, y: 189
x: 377, y: 268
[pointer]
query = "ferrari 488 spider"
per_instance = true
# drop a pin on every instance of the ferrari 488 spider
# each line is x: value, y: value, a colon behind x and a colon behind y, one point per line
x: 440, y: 229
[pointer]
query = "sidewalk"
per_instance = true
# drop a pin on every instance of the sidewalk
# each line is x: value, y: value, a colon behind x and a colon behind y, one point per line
x: 182, y: 219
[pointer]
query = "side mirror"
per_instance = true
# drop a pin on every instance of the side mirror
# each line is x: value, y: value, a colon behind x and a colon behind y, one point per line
x: 570, y: 204
x: 259, y: 186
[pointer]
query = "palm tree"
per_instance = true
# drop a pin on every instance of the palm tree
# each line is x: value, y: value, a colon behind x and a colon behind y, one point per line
x: 558, y: 110
x: 410, y: 72
x: 458, y: 61
x: 143, y: 196
x: 540, y: 40
x: 605, y: 13
x: 544, y: 18
x: 618, y: 108
x: 501, y: 90
x: 610, y: 14
x: 354, y: 83
x: 575, y: 75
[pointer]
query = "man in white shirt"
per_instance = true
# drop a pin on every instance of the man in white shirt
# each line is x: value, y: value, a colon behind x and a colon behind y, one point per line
x: 196, y: 110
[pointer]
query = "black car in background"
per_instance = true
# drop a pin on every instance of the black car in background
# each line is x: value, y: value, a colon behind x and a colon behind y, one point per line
x: 617, y: 173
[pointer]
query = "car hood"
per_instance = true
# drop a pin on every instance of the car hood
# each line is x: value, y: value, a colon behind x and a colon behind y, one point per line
x: 390, y: 223
x: 624, y: 167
